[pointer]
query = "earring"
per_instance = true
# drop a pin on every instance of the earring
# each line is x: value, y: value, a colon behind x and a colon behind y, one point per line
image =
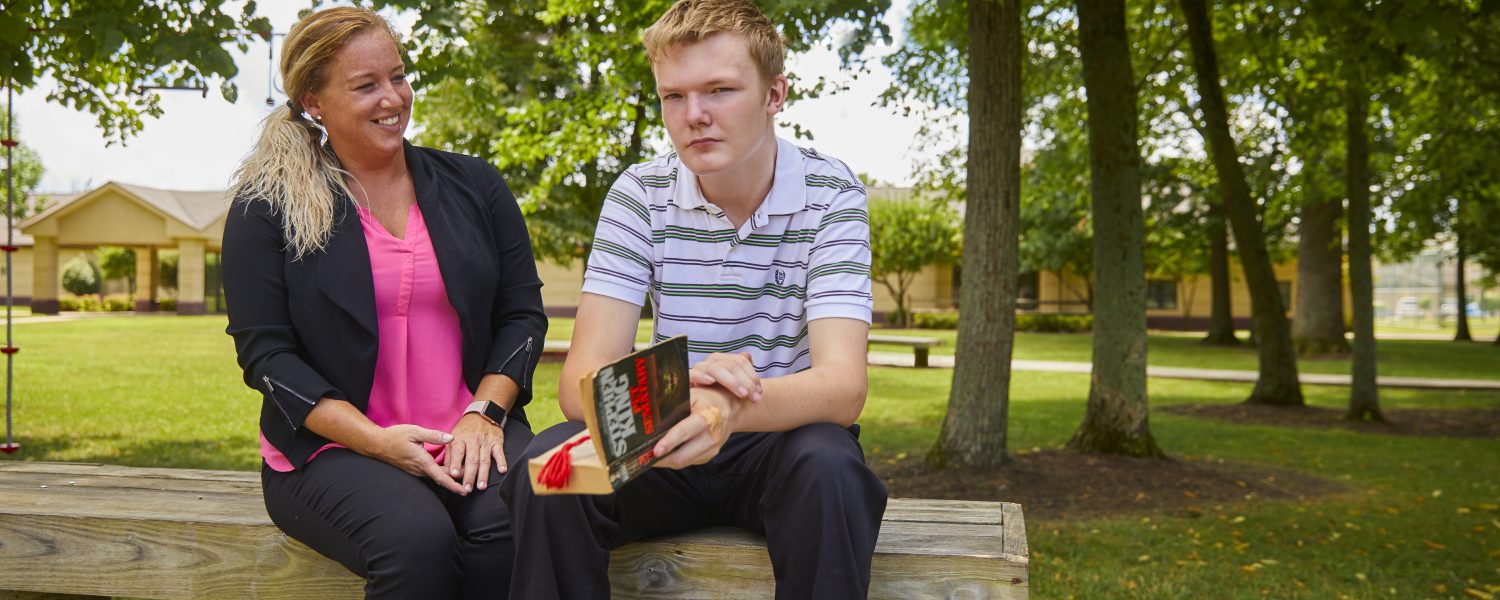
x: 318, y: 123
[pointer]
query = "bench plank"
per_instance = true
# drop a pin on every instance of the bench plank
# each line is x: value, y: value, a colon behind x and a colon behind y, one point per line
x: 176, y: 533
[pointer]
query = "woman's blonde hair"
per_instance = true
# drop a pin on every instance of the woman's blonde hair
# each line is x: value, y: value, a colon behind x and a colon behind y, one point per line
x: 289, y: 169
x: 692, y: 21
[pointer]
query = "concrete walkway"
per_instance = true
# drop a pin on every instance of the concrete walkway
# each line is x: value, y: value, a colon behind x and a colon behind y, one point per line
x: 904, y: 359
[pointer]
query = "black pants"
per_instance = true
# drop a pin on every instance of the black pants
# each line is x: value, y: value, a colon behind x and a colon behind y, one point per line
x: 807, y: 490
x: 405, y: 535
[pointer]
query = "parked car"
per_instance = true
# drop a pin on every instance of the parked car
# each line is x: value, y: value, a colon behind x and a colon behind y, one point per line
x: 1408, y: 308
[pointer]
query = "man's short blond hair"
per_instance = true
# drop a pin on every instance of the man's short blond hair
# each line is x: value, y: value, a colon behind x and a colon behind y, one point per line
x: 692, y: 21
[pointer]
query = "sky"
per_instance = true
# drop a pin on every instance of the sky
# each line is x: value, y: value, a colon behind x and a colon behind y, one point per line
x: 198, y: 142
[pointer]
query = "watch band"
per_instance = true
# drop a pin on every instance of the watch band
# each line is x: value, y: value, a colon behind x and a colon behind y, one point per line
x: 491, y: 411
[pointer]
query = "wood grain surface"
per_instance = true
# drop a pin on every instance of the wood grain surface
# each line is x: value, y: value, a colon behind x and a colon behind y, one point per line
x: 72, y: 528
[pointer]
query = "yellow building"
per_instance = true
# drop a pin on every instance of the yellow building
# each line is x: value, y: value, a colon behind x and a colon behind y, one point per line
x: 148, y: 220
x: 192, y: 224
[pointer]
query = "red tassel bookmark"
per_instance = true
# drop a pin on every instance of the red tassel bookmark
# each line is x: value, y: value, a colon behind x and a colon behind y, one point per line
x: 559, y: 466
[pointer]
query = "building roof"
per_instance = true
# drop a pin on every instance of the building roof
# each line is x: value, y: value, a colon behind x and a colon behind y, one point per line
x: 196, y: 209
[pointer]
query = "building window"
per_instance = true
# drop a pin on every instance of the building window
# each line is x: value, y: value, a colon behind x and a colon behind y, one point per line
x: 1161, y: 293
x: 1285, y: 287
x: 1027, y: 287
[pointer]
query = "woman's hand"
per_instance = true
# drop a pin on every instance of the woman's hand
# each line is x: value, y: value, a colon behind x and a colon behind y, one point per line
x: 401, y: 446
x: 476, y: 441
x: 734, y: 372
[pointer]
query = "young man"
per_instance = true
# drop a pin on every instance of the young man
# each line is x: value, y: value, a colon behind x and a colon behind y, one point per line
x: 759, y: 252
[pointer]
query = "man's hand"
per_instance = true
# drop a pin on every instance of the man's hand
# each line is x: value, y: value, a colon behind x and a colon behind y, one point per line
x: 401, y: 446
x: 698, y: 438
x: 734, y: 372
x: 476, y: 441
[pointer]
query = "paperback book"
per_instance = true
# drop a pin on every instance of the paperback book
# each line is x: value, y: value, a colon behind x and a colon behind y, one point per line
x: 628, y: 405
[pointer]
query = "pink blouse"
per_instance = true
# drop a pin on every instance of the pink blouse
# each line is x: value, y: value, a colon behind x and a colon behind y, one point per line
x: 419, y: 369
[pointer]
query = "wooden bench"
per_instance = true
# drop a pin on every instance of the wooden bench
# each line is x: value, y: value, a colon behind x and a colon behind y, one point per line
x: 920, y: 346
x: 97, y: 530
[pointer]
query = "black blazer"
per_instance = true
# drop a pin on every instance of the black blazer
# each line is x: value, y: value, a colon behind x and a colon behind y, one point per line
x: 306, y: 329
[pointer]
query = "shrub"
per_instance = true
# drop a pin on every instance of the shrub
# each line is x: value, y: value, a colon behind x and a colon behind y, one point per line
x: 1054, y: 323
x: 166, y: 304
x: 118, y: 302
x: 80, y: 277
x: 86, y: 303
x: 117, y: 263
x: 167, y: 271
x: 947, y: 319
x: 1044, y: 322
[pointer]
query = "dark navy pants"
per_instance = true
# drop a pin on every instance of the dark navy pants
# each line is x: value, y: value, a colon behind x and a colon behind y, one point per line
x: 807, y: 490
x: 405, y: 535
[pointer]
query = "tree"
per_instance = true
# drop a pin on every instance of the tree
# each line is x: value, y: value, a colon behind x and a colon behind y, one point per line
x: 80, y: 277
x: 1364, y: 394
x: 1221, y: 315
x: 28, y: 174
x: 1116, y: 420
x: 1277, y: 383
x: 974, y: 430
x: 117, y: 263
x: 906, y: 236
x: 166, y: 269
x: 102, y: 53
x: 558, y: 94
x: 1288, y: 44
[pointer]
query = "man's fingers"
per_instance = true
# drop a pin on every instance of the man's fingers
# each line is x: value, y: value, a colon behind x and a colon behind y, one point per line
x: 692, y: 452
x: 732, y: 381
x: 689, y: 428
x: 701, y: 378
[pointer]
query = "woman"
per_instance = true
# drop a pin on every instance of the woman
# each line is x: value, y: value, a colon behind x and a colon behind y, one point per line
x: 384, y: 300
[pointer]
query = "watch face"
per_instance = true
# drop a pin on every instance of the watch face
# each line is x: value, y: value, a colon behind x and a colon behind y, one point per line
x: 495, y: 412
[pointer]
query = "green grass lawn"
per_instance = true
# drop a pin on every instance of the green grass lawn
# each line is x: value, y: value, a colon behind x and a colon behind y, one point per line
x: 1406, y: 358
x: 1478, y: 327
x: 1420, y: 514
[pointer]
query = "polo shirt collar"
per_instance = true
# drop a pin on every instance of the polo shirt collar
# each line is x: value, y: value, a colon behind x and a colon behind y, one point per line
x: 788, y: 186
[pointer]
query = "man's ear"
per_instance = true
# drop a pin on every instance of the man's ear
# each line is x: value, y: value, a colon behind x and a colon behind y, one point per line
x: 776, y: 93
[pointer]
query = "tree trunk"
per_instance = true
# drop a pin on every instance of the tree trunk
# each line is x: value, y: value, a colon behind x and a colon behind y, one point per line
x: 974, y: 430
x: 1318, y: 329
x: 1221, y: 315
x: 1277, y: 383
x: 1116, y: 420
x: 1364, y: 395
x: 1462, y: 335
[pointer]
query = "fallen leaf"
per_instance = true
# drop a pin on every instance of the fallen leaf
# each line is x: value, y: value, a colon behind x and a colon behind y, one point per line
x: 1434, y: 545
x: 1360, y: 576
x: 1479, y: 594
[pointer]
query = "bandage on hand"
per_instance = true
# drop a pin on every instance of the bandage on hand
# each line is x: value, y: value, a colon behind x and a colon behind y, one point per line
x: 714, y: 418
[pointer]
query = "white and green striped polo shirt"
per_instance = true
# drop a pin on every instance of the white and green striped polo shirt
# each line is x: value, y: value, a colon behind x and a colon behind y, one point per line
x: 803, y: 255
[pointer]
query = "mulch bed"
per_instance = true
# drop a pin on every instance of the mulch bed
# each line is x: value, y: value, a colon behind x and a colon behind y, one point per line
x: 1437, y: 422
x: 1059, y: 484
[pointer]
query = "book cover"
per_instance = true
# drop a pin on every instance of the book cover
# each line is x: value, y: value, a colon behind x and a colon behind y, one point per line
x: 628, y: 405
